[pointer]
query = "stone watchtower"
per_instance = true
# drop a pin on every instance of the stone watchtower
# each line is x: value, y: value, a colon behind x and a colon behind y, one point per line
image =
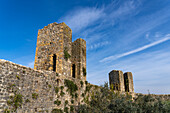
x: 56, y: 52
x: 116, y: 80
x: 121, y: 82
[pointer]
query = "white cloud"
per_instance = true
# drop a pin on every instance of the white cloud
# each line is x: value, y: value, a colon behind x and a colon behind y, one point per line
x: 82, y: 18
x: 98, y: 45
x: 166, y: 38
x: 150, y: 71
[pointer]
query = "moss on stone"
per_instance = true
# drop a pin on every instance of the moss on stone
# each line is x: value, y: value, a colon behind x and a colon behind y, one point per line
x: 34, y: 95
x: 66, y: 54
x: 57, y: 102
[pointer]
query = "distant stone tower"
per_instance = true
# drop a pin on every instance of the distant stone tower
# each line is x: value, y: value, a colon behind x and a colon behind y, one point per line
x: 121, y: 82
x: 56, y: 52
x: 128, y: 79
x: 116, y: 80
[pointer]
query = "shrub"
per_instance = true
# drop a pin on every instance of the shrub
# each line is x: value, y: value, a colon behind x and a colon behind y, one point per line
x: 66, y: 54
x: 56, y: 89
x: 49, y: 86
x: 34, y: 96
x: 57, y: 102
x: 72, y: 101
x: 66, y: 102
x: 56, y: 111
x: 6, y: 111
x: 61, y: 87
x: 106, y: 101
x: 62, y: 93
x: 81, y: 82
x: 56, y: 74
x: 66, y: 109
x: 84, y: 71
x: 86, y: 82
x: 82, y: 95
x: 72, y: 88
x: 88, y: 87
x: 16, y: 101
x: 72, y: 109
x: 27, y: 100
x: 76, y: 95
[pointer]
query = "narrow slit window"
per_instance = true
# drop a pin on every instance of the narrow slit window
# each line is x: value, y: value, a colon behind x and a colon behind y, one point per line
x: 126, y: 82
x: 73, y: 70
x: 54, y: 62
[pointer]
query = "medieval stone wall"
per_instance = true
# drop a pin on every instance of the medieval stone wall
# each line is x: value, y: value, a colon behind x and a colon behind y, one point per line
x: 42, y: 91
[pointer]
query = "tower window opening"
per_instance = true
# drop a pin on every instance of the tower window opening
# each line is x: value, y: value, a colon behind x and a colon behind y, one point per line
x: 54, y: 62
x: 73, y: 70
x: 126, y: 82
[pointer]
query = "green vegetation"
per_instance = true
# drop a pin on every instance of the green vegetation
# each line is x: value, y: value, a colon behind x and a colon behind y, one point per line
x: 86, y: 82
x: 56, y: 111
x: 66, y: 102
x: 88, y: 87
x: 27, y: 100
x: 15, y: 101
x: 76, y: 95
x: 56, y: 89
x: 72, y: 109
x: 66, y: 109
x: 57, y: 102
x: 72, y: 101
x: 62, y: 93
x: 61, y: 87
x: 84, y: 71
x: 107, y: 101
x: 34, y: 95
x: 81, y: 82
x: 72, y: 88
x: 82, y: 95
x: 49, y: 86
x: 6, y: 111
x: 18, y: 77
x: 66, y: 54
x: 23, y: 71
x: 56, y: 74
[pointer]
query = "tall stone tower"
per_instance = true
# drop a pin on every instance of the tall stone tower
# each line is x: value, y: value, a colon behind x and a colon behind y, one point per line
x: 79, y: 59
x: 128, y: 79
x: 52, y: 41
x: 116, y: 80
x: 56, y: 52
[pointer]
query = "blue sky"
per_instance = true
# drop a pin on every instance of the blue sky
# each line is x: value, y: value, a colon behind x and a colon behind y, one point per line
x: 128, y: 35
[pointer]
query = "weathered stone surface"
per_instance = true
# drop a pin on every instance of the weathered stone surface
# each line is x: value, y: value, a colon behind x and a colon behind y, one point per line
x: 57, y: 60
x: 79, y: 58
x: 17, y: 79
x: 128, y: 79
x: 53, y: 42
x: 116, y: 80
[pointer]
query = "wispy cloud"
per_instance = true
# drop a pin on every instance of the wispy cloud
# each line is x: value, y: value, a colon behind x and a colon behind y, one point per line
x: 83, y: 17
x: 166, y: 38
x: 150, y: 71
x: 98, y: 45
